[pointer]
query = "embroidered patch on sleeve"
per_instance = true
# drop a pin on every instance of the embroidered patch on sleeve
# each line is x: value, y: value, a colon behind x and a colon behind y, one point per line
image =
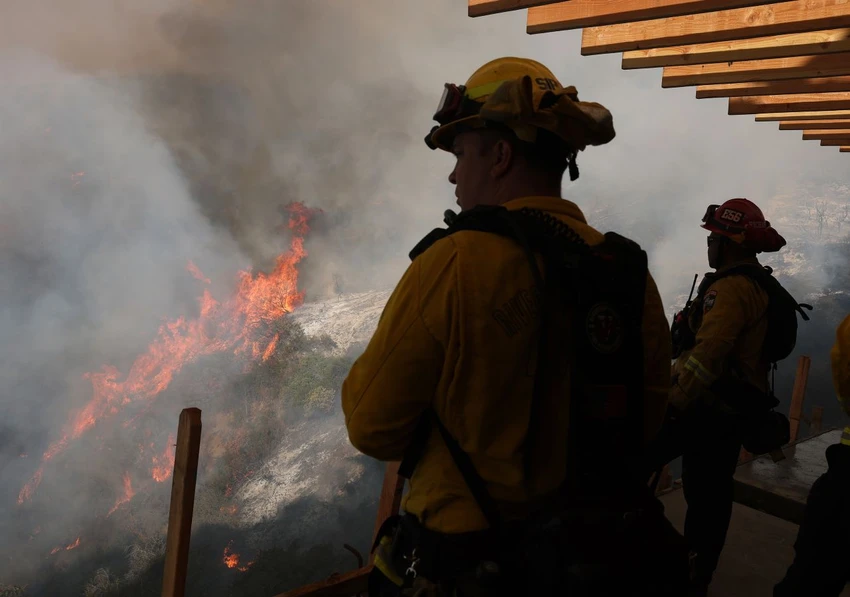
x: 708, y: 301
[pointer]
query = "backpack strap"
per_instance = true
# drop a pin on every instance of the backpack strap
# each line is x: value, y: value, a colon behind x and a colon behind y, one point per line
x: 561, y: 247
x: 763, y: 276
x: 497, y: 220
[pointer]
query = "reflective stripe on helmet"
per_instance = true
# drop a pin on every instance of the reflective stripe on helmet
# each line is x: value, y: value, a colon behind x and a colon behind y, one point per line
x: 482, y: 90
x: 845, y: 437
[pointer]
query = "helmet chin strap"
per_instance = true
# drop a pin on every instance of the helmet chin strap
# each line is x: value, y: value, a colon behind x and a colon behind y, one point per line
x: 573, y: 166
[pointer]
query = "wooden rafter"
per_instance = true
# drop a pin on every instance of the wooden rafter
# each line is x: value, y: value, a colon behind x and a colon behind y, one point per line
x: 818, y: 85
x: 835, y: 142
x: 803, y: 102
x: 844, y: 149
x: 802, y: 115
x: 480, y: 8
x: 817, y: 135
x: 576, y: 14
x: 759, y: 48
x: 740, y: 23
x: 773, y: 69
x: 821, y: 125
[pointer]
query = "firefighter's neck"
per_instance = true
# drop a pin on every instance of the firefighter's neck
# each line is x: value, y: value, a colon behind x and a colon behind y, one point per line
x: 526, y: 182
x: 733, y: 254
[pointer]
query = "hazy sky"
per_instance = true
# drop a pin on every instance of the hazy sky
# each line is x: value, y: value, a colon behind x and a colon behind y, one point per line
x: 114, y: 175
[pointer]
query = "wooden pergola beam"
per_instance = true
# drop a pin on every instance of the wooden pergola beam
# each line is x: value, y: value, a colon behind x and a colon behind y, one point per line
x: 480, y: 8
x: 773, y: 69
x: 818, y: 85
x: 808, y: 43
x: 814, y: 124
x: 820, y: 125
x: 739, y: 23
x: 844, y: 149
x: 802, y: 115
x: 814, y: 135
x: 835, y: 142
x: 576, y: 14
x: 802, y: 102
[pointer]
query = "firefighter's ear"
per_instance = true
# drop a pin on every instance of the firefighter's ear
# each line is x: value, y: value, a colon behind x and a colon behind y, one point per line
x: 503, y: 157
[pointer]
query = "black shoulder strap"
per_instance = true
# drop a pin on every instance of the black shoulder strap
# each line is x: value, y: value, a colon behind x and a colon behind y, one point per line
x: 763, y: 276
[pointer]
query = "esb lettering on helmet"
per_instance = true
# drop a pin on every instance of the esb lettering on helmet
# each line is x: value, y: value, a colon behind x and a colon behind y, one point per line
x: 546, y: 84
x: 731, y: 215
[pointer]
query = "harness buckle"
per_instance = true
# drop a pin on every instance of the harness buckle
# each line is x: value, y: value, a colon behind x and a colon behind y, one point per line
x: 414, y: 561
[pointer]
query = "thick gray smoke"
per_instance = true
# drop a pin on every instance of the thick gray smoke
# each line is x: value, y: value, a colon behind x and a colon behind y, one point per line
x: 136, y: 137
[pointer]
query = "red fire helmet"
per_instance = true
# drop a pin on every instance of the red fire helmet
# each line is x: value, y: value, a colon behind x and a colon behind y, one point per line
x: 742, y: 221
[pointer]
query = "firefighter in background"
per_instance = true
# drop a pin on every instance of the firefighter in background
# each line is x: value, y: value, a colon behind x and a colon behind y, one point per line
x: 821, y: 566
x: 449, y: 382
x: 721, y: 394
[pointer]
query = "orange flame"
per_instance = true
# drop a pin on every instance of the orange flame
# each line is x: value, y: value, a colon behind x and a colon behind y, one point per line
x: 68, y: 547
x: 164, y: 464
x: 270, y: 348
x: 238, y: 324
x: 193, y: 269
x: 126, y: 497
x: 231, y: 559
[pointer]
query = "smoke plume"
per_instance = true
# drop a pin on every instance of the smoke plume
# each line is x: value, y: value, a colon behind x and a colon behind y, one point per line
x: 136, y: 138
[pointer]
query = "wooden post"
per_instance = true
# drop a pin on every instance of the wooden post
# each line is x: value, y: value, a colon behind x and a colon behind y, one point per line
x: 795, y: 413
x: 182, y: 503
x: 666, y: 480
x: 817, y: 420
x: 390, y: 501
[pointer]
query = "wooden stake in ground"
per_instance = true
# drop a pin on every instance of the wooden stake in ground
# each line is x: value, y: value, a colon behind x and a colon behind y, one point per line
x: 817, y: 420
x: 182, y: 503
x: 390, y: 501
x: 798, y: 396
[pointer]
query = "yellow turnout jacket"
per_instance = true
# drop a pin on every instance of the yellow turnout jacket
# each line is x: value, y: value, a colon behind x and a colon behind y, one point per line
x: 458, y: 335
x: 841, y: 371
x: 730, y: 325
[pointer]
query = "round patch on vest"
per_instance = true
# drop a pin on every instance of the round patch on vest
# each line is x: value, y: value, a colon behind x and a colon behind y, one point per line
x: 708, y: 302
x: 604, y: 328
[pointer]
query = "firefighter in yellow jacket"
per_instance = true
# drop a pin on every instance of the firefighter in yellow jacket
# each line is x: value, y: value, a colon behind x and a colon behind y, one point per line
x: 721, y: 393
x: 821, y: 566
x: 460, y: 341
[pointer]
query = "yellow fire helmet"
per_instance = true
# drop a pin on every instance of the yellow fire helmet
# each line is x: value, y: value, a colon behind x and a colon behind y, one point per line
x: 525, y: 96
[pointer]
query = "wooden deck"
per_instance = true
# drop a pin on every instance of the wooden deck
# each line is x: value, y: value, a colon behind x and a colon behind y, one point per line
x: 781, y: 488
x: 760, y: 544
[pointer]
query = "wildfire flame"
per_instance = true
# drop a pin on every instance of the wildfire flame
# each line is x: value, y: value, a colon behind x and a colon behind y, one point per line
x: 193, y: 269
x: 237, y: 324
x: 164, y: 463
x: 231, y: 559
x: 69, y: 547
x: 127, y: 495
x: 230, y: 510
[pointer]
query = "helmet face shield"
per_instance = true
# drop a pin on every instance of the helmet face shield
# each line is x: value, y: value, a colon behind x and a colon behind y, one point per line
x: 450, y: 105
